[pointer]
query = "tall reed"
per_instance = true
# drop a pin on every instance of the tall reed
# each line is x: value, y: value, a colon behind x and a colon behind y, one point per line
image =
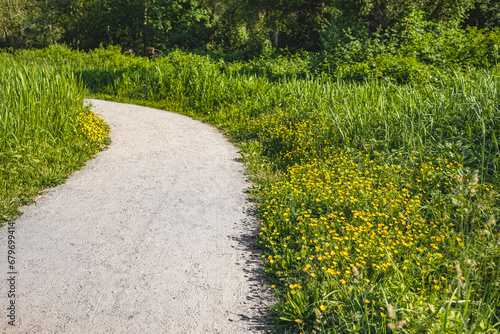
x: 40, y: 142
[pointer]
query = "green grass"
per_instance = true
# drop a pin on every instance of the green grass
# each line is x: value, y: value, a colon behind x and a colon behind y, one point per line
x: 378, y: 201
x: 45, y: 132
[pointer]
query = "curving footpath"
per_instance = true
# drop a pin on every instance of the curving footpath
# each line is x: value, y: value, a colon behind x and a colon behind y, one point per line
x: 154, y: 235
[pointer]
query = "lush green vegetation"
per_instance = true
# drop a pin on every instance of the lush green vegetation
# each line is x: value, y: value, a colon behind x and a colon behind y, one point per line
x: 45, y: 134
x: 378, y: 199
x: 370, y: 130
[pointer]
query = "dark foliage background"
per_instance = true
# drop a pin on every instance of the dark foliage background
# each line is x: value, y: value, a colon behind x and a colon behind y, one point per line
x: 234, y: 29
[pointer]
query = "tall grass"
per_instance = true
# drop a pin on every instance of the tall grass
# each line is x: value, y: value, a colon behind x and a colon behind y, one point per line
x: 41, y: 120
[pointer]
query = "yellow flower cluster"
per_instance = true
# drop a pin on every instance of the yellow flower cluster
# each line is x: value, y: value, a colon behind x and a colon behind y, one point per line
x: 349, y: 218
x: 379, y: 225
x: 91, y: 128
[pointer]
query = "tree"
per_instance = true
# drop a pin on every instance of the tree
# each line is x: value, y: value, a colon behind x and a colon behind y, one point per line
x: 13, y: 22
x: 485, y: 14
x: 381, y: 14
x: 178, y: 23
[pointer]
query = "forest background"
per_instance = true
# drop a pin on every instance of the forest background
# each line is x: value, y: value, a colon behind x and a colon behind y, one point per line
x: 236, y: 29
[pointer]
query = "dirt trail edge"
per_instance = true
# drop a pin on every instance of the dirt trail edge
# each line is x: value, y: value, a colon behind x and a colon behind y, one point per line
x: 154, y: 235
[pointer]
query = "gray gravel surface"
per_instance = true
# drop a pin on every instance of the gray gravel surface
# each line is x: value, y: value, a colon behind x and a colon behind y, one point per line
x: 154, y: 235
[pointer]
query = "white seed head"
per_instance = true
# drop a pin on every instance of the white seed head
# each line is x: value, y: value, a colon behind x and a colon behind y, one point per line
x: 317, y: 313
x: 390, y: 311
x: 492, y: 221
x: 471, y: 262
x: 400, y: 324
x: 474, y: 180
x: 459, y: 271
x: 486, y: 233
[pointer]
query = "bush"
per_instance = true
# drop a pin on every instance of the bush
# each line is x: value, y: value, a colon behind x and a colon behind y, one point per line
x: 413, y: 45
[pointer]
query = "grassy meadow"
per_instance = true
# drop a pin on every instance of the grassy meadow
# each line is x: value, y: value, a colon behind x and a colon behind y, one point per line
x: 378, y: 199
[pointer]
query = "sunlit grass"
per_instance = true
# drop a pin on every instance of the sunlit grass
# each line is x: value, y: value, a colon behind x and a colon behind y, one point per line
x: 357, y: 233
x: 45, y: 132
x: 378, y: 202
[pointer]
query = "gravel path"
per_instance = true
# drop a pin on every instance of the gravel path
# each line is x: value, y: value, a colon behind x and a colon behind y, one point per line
x: 154, y: 235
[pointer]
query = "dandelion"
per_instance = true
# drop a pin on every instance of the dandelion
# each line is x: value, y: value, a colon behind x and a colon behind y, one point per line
x: 322, y: 307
